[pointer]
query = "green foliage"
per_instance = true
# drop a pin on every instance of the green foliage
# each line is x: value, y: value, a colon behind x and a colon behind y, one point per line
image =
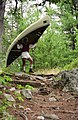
x: 26, y: 87
x: 9, y: 117
x: 73, y: 64
x: 0, y: 92
x: 3, y: 106
x: 20, y: 86
x: 29, y: 87
x: 19, y: 96
x: 5, y: 79
x: 68, y: 21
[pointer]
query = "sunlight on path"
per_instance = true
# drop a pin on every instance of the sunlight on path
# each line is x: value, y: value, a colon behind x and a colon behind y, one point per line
x: 49, y: 71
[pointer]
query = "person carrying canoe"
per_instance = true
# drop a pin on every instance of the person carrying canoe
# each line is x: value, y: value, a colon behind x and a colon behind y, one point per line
x: 25, y: 47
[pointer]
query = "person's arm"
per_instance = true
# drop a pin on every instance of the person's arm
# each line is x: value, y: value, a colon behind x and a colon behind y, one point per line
x: 32, y: 46
x: 19, y: 46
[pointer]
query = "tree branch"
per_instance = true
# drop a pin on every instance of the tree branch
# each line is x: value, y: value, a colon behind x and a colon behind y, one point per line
x: 16, y: 6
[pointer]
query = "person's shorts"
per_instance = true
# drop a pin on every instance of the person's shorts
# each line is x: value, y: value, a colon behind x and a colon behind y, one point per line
x: 26, y: 55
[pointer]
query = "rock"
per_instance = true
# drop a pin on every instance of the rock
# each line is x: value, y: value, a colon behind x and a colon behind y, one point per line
x: 53, y: 94
x: 1, y: 86
x: 40, y: 118
x: 21, y: 107
x: 27, y: 93
x: 18, y: 91
x: 52, y: 99
x: 20, y: 74
x: 4, y: 88
x: 39, y: 78
x: 27, y: 110
x: 12, y: 89
x: 14, y: 105
x: 23, y: 75
x: 51, y: 117
x: 67, y: 80
x: 9, y: 97
x: 5, y: 113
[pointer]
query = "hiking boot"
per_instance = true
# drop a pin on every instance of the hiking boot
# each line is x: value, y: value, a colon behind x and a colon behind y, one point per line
x: 31, y: 71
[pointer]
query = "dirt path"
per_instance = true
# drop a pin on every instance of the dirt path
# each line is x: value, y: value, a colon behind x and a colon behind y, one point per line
x: 47, y: 103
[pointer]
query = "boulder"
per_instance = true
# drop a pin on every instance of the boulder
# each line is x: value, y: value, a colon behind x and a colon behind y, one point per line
x: 67, y: 80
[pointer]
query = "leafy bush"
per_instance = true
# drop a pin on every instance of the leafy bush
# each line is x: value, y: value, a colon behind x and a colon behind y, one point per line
x: 73, y: 64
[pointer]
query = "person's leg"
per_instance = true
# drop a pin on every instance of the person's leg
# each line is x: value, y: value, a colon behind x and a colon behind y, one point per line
x: 23, y: 64
x: 31, y: 64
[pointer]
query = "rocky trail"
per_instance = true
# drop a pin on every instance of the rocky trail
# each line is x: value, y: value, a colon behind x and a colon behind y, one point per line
x: 47, y: 97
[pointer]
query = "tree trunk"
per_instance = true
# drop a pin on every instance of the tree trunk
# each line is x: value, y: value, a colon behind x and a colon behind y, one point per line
x: 2, y: 10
